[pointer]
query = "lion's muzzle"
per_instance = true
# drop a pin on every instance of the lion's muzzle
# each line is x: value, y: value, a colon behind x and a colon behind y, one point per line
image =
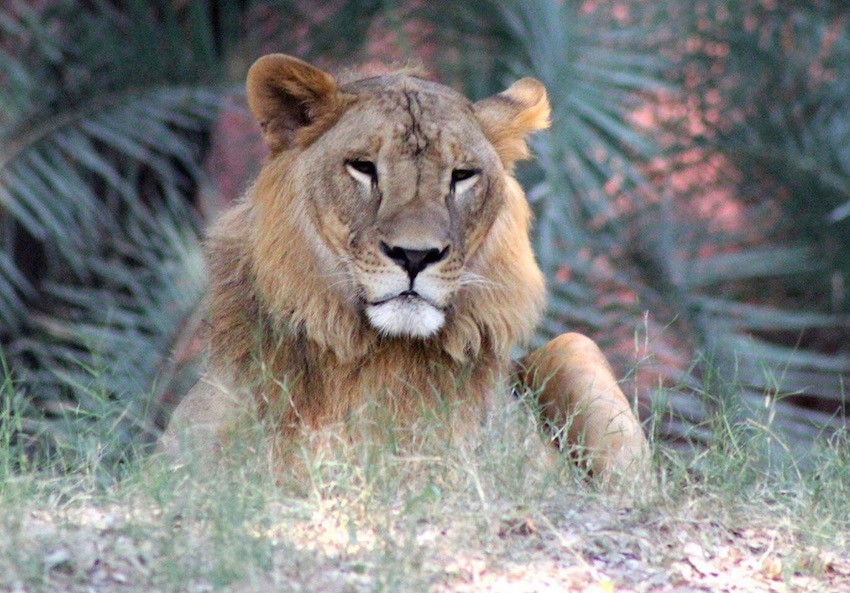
x: 414, y: 307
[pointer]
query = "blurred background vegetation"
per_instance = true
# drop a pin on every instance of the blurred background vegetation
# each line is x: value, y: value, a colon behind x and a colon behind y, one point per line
x: 692, y: 196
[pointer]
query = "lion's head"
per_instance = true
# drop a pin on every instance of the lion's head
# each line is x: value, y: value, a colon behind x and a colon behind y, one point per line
x: 388, y: 204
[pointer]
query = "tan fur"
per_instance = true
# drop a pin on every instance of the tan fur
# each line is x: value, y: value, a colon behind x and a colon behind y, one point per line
x: 577, y: 391
x: 508, y: 117
x: 296, y: 265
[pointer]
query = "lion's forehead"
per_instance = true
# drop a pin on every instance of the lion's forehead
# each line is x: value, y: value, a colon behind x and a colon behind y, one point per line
x: 420, y: 116
x: 393, y: 88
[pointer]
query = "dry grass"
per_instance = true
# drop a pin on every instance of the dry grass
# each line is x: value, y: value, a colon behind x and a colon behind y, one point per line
x: 491, y: 515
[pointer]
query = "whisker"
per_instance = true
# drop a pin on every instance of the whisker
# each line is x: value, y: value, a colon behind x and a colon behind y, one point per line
x: 473, y: 279
x: 341, y: 274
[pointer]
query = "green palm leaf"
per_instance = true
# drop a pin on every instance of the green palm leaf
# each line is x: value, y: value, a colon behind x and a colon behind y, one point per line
x: 621, y: 254
x: 105, y: 110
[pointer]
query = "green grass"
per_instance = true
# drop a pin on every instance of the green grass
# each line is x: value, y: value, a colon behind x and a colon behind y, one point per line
x: 394, y: 514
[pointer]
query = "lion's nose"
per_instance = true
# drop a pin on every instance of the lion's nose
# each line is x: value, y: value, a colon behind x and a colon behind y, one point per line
x: 414, y: 260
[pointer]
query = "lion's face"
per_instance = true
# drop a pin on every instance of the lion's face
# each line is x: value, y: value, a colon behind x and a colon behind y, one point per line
x: 399, y: 179
x: 400, y: 187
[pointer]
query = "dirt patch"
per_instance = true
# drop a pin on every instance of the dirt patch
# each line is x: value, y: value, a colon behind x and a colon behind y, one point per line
x: 344, y: 545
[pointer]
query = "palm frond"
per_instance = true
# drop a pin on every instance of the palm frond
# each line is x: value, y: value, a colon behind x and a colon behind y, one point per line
x: 69, y: 143
x: 625, y: 255
x: 101, y: 152
x: 87, y: 366
x: 105, y: 110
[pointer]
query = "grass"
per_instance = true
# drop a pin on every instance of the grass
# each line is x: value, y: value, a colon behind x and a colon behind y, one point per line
x: 424, y: 514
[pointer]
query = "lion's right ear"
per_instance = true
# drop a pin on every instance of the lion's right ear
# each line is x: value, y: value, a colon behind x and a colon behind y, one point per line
x: 288, y: 96
x: 507, y: 118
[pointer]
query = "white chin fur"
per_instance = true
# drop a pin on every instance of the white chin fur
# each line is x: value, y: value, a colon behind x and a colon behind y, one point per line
x: 406, y: 317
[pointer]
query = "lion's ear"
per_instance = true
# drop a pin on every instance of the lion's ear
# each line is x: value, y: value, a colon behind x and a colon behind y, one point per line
x: 507, y: 118
x: 287, y: 95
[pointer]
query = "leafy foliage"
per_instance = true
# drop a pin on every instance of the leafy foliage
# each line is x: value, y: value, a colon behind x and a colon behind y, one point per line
x: 104, y: 112
x: 769, y: 301
x: 627, y: 214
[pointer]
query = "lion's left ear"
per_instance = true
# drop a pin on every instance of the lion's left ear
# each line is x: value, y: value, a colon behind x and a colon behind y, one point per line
x: 288, y: 96
x: 507, y: 118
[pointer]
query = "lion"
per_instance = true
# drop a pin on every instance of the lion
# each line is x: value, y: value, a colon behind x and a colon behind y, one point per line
x: 383, y: 254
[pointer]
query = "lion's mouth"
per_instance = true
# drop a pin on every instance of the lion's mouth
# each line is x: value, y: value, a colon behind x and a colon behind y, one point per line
x: 407, y: 295
x: 407, y: 313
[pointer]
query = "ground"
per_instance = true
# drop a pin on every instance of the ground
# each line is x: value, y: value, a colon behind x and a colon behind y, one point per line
x: 437, y: 517
x: 333, y: 546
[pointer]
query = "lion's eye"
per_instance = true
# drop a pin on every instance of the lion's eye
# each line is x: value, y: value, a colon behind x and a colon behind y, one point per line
x: 462, y: 174
x: 463, y: 179
x: 363, y: 171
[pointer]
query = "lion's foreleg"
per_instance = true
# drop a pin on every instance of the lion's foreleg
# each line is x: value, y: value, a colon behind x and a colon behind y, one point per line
x: 580, y: 399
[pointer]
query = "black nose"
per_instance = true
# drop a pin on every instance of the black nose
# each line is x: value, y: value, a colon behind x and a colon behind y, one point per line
x: 414, y: 260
